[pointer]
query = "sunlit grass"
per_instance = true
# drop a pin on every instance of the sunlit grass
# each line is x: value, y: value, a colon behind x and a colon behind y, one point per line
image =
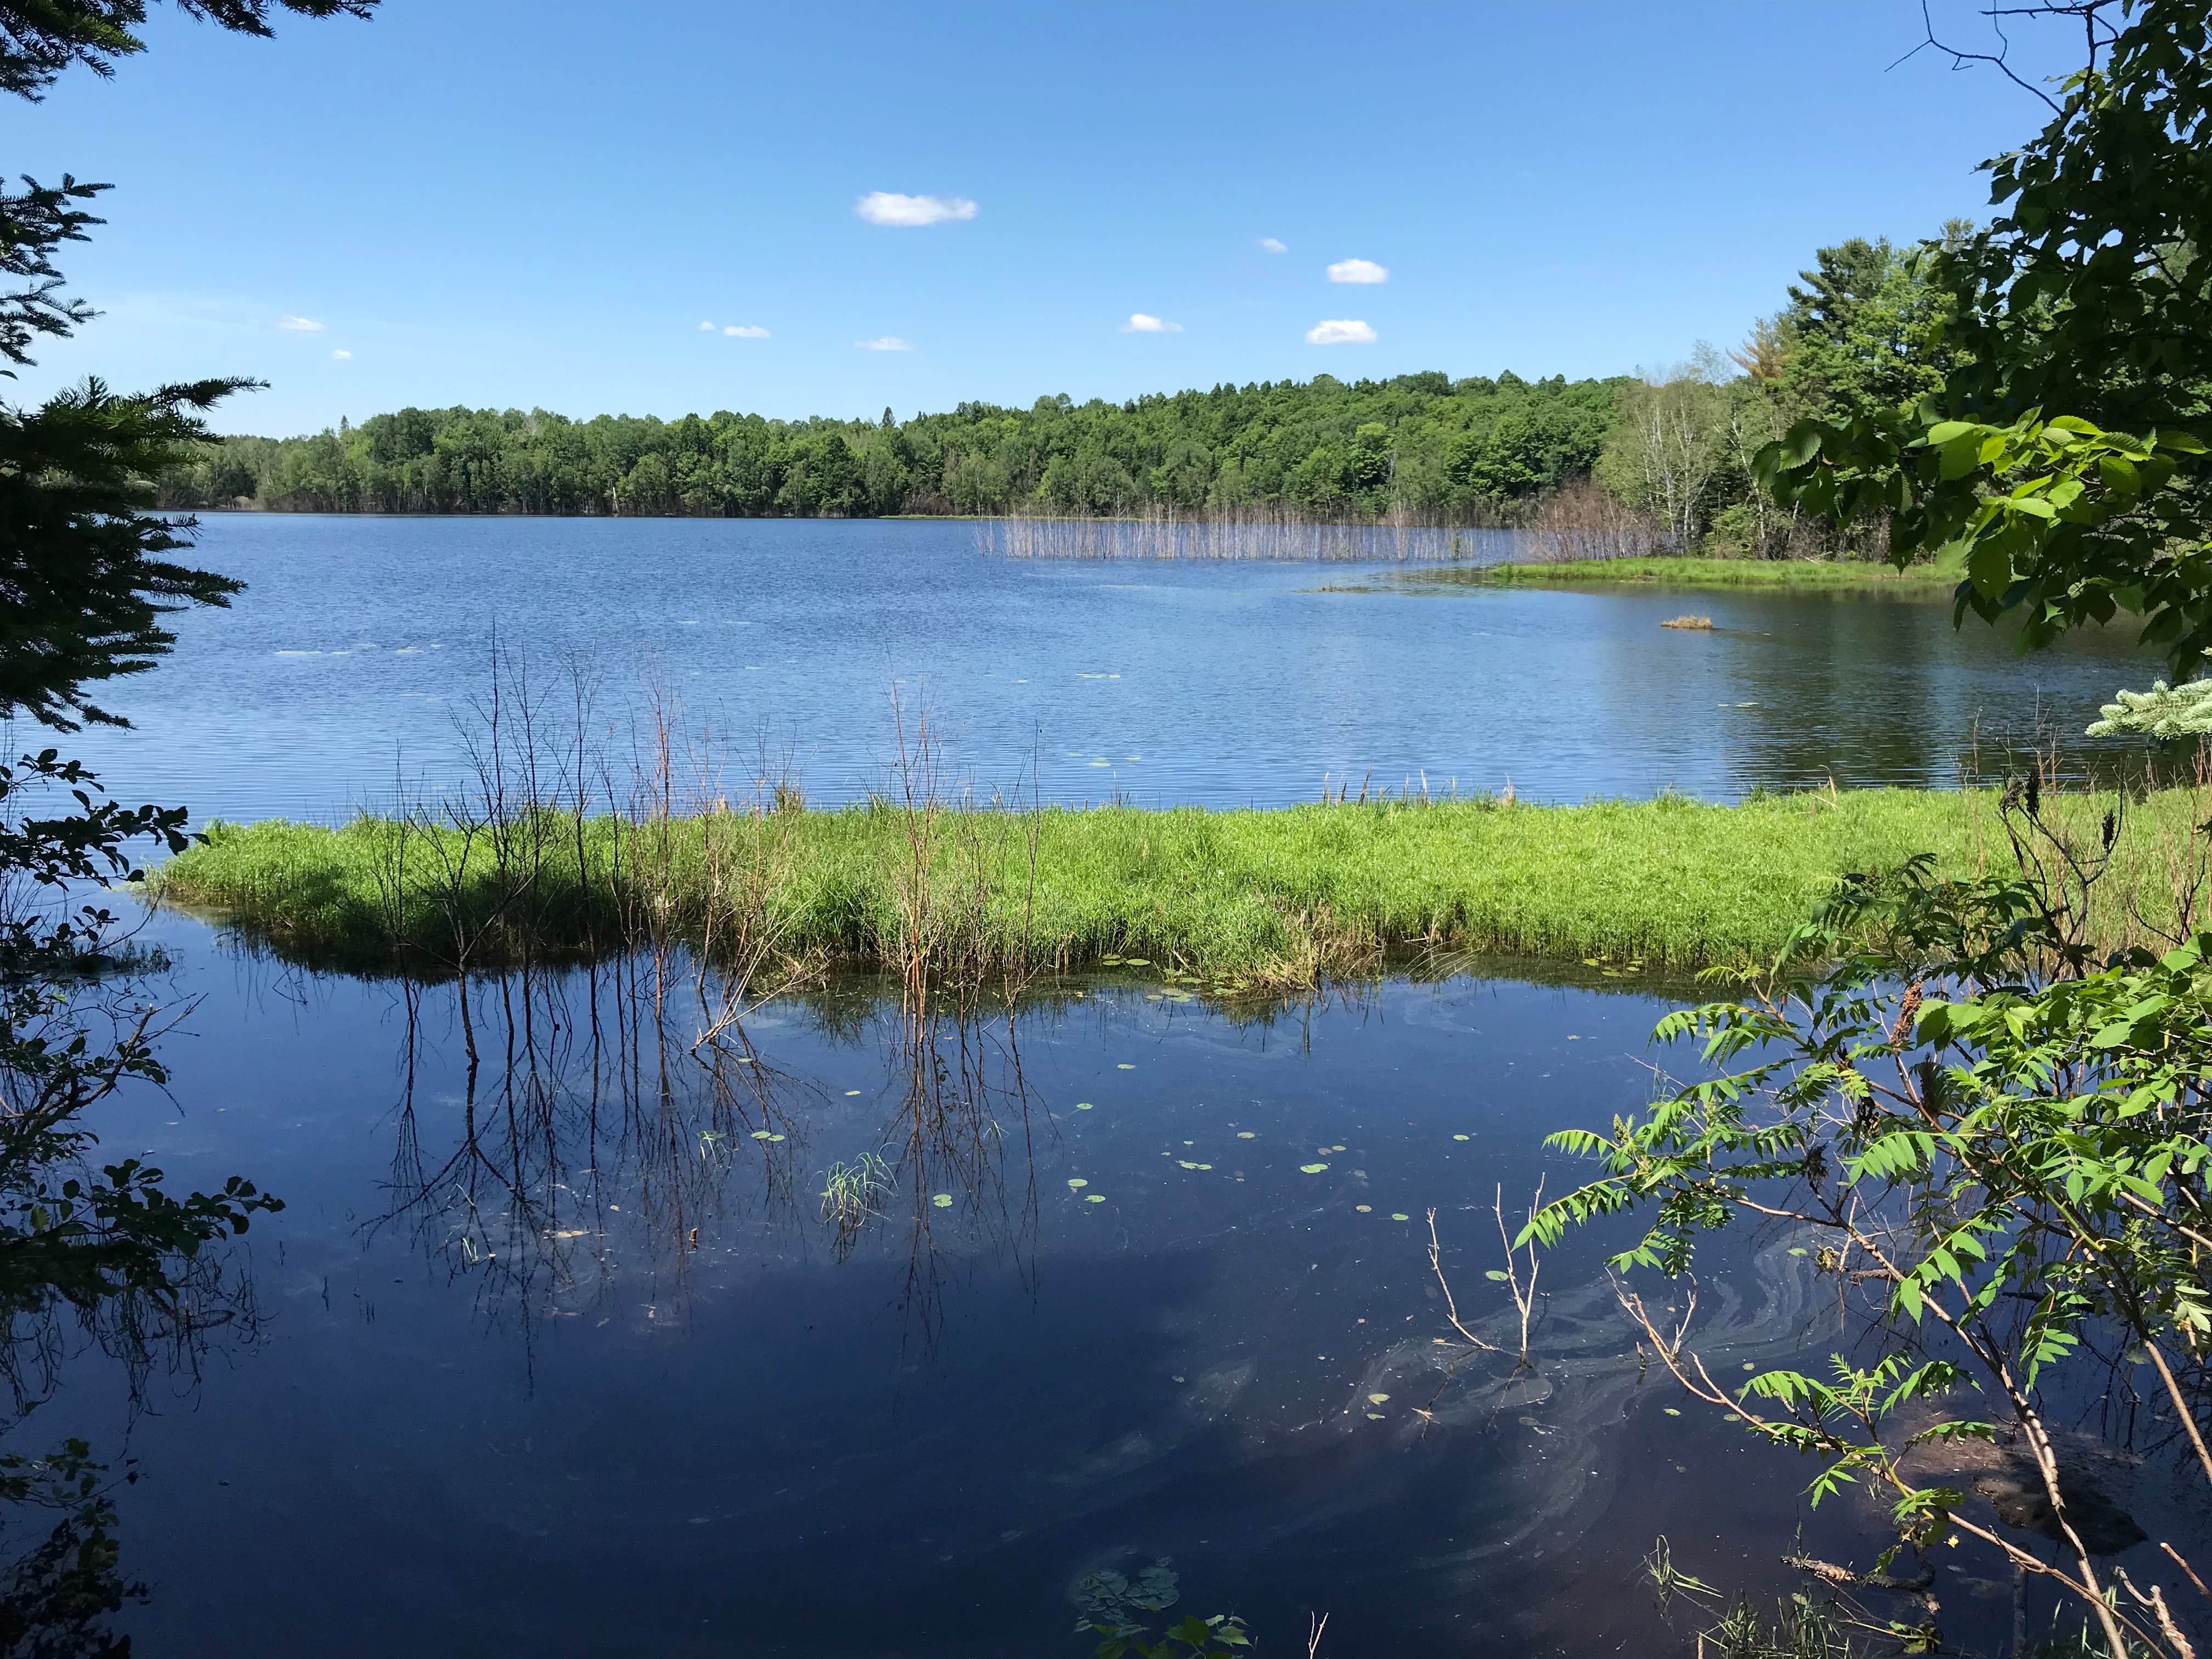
x: 1691, y: 572
x: 1271, y: 895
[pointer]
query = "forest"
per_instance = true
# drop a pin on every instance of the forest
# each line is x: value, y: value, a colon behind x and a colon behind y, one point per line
x: 1676, y: 446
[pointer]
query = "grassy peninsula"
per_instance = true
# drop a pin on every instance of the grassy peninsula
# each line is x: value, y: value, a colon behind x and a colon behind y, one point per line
x: 1252, y: 897
x: 1799, y: 575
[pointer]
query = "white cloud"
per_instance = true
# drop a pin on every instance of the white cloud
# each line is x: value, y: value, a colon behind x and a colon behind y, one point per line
x: 745, y: 332
x: 1359, y: 271
x: 1269, y: 244
x: 1343, y: 331
x: 887, y: 343
x: 888, y: 207
x: 300, y: 324
x: 341, y: 356
x: 706, y: 328
x: 1139, y: 322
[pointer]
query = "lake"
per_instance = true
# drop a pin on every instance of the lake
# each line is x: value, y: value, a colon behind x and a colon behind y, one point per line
x: 563, y: 1344
x: 557, y: 1351
x: 359, y: 640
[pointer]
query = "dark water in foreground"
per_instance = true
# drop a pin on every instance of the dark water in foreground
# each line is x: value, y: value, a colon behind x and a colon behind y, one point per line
x: 559, y: 1356
x: 1220, y: 685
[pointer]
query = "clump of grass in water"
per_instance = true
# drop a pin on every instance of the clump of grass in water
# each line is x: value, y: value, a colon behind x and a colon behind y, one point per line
x: 852, y: 1196
x: 1704, y: 624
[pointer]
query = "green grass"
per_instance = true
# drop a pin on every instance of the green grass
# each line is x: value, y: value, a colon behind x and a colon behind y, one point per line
x: 1271, y: 896
x: 1797, y: 575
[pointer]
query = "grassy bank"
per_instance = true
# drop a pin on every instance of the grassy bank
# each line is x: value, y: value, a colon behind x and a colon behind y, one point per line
x: 1264, y: 897
x: 1797, y: 575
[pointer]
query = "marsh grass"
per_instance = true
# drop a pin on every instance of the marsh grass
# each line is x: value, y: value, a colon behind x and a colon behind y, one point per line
x: 1691, y: 571
x: 1235, y: 900
x: 1242, y: 534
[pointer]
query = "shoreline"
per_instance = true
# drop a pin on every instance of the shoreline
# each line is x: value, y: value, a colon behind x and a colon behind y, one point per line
x: 1924, y: 580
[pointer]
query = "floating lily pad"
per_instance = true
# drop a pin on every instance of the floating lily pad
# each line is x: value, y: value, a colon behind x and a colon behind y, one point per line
x: 1375, y: 1417
x: 1378, y: 1399
x: 1093, y: 1198
x: 1125, y: 1067
x: 1311, y: 1168
x: 1459, y: 1137
x: 1364, y: 1209
x: 943, y: 1201
x: 1245, y: 1135
x: 1670, y: 1411
x: 1085, y: 1106
x: 1188, y: 1164
x: 849, y: 1093
x: 1078, y: 1182
x: 1400, y: 1215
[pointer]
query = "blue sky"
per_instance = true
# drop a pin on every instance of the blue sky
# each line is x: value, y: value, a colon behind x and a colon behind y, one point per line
x: 520, y: 202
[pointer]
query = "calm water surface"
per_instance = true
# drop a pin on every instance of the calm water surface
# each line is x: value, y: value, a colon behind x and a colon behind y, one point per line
x: 360, y: 639
x: 560, y: 1355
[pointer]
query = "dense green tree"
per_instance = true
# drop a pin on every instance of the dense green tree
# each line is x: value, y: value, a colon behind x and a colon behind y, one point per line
x: 1421, y: 443
x: 2063, y: 454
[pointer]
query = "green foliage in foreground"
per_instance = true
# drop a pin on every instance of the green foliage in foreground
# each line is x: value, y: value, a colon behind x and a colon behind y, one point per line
x: 1992, y: 1135
x: 1693, y: 571
x: 1270, y: 896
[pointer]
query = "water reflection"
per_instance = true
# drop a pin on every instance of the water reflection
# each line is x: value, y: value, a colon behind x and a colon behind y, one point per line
x: 618, y: 1125
x: 552, y: 1283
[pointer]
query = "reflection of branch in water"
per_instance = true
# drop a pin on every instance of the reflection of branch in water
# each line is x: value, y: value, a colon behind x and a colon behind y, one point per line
x: 602, y: 1110
x: 958, y: 1078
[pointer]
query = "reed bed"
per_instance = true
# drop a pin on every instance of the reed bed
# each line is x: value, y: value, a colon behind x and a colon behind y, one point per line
x: 1265, y: 899
x: 1393, y: 540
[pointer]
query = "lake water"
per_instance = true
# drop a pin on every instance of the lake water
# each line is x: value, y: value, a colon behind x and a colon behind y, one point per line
x: 560, y: 1355
x: 556, y: 1349
x: 358, y: 640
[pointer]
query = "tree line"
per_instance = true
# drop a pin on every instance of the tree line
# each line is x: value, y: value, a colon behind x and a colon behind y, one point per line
x: 1323, y: 447
x: 1860, y: 330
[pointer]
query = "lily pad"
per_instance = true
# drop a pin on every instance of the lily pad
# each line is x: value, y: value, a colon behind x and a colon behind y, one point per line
x: 1077, y: 1182
x: 1311, y: 1168
x: 1400, y: 1215
x: 1670, y: 1411
x: 1125, y: 1067
x: 1246, y: 1134
x: 1085, y: 1106
x: 1378, y: 1399
x: 1459, y: 1137
x: 1364, y: 1209
x: 1093, y: 1198
x: 943, y: 1201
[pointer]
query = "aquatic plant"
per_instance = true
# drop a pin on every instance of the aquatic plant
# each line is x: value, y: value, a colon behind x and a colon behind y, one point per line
x: 853, y: 1196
